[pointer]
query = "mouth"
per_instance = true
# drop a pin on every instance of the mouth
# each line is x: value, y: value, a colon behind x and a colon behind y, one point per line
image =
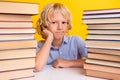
x: 60, y: 33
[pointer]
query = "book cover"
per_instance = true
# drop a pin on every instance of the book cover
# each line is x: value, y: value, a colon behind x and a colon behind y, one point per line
x: 15, y: 64
x: 15, y: 17
x: 17, y: 53
x: 19, y: 8
x: 102, y: 74
x: 19, y: 44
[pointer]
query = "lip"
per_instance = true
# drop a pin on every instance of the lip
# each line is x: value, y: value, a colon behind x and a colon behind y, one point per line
x: 59, y: 33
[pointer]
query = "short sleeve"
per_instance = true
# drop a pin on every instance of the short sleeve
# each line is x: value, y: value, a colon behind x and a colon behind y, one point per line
x: 39, y: 44
x: 81, y: 46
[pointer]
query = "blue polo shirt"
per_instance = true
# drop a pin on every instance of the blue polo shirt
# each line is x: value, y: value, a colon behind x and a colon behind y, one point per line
x: 72, y: 48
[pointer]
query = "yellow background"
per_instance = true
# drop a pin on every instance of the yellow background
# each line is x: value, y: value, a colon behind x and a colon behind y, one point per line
x: 76, y: 7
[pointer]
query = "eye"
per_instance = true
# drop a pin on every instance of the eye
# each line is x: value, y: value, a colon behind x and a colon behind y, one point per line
x: 64, y: 22
x: 53, y: 22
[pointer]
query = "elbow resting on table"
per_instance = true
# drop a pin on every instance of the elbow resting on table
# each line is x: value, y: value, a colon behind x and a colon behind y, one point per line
x: 38, y: 67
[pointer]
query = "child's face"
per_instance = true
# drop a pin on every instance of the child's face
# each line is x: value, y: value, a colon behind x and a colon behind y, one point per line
x: 58, y: 25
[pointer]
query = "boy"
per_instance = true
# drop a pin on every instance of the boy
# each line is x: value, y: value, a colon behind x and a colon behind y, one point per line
x: 58, y: 49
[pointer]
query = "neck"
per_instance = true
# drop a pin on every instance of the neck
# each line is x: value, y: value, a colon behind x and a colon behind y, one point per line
x: 57, y: 43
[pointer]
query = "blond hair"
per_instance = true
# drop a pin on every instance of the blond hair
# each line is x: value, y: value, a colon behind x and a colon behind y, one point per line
x: 50, y: 10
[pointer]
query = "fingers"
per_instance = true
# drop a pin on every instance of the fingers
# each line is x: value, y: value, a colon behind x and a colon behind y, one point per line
x: 55, y: 64
x: 46, y: 33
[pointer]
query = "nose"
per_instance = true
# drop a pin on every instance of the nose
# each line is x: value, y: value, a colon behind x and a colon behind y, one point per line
x: 60, y: 26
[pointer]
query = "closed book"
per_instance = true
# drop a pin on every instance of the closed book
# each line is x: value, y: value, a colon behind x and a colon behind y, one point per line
x: 104, y: 26
x: 15, y: 25
x: 15, y: 74
x: 102, y: 68
x: 19, y: 44
x: 15, y: 64
x: 102, y: 56
x: 15, y: 17
x: 103, y: 37
x: 18, y: 8
x: 104, y: 51
x: 102, y: 74
x: 103, y: 62
x: 115, y: 32
x: 6, y: 37
x: 103, y: 44
x: 102, y: 11
x: 17, y: 31
x: 17, y: 53
x: 102, y: 21
x: 101, y: 16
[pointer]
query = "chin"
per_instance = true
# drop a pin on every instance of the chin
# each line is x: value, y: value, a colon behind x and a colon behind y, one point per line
x: 59, y: 37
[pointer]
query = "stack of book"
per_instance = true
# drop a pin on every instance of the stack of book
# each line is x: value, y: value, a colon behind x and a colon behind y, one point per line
x: 103, y: 43
x: 17, y: 43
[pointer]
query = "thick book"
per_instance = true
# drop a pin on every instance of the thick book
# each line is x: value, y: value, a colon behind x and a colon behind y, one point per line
x: 107, y: 31
x: 104, y: 26
x: 101, y: 16
x: 15, y: 64
x: 14, y: 17
x: 103, y: 37
x: 103, y: 44
x: 6, y: 37
x: 104, y: 51
x: 19, y: 8
x: 103, y: 62
x: 15, y: 24
x: 102, y: 21
x: 102, y: 11
x: 17, y: 53
x: 102, y: 68
x: 102, y: 56
x: 102, y: 74
x: 19, y: 44
x: 17, y: 31
x: 15, y: 74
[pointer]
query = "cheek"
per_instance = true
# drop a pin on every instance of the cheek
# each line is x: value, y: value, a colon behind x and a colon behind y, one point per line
x: 51, y: 30
x: 65, y: 28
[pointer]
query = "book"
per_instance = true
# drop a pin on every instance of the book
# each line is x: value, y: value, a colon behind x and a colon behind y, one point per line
x: 102, y: 11
x: 17, y: 31
x: 104, y: 51
x: 6, y: 37
x: 103, y: 62
x: 102, y: 56
x: 103, y: 44
x: 102, y: 21
x: 104, y: 26
x: 15, y: 17
x: 102, y: 68
x: 15, y: 64
x: 19, y: 44
x: 15, y: 25
x: 13, y: 75
x: 102, y: 74
x: 103, y: 37
x: 19, y: 8
x: 107, y: 31
x: 101, y: 16
x: 17, y: 53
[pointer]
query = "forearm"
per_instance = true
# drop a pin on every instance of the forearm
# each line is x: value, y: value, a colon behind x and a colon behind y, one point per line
x: 74, y: 63
x: 42, y: 55
x: 68, y: 63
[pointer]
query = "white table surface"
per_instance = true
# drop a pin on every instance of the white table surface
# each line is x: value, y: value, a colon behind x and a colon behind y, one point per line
x: 50, y: 73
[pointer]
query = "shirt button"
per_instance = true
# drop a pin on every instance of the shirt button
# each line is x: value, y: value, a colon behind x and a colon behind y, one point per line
x: 60, y: 52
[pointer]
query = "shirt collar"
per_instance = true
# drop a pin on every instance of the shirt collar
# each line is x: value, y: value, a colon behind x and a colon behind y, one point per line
x: 65, y: 41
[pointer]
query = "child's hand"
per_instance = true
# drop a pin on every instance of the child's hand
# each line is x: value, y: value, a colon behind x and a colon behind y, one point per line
x: 59, y: 63
x: 47, y: 34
